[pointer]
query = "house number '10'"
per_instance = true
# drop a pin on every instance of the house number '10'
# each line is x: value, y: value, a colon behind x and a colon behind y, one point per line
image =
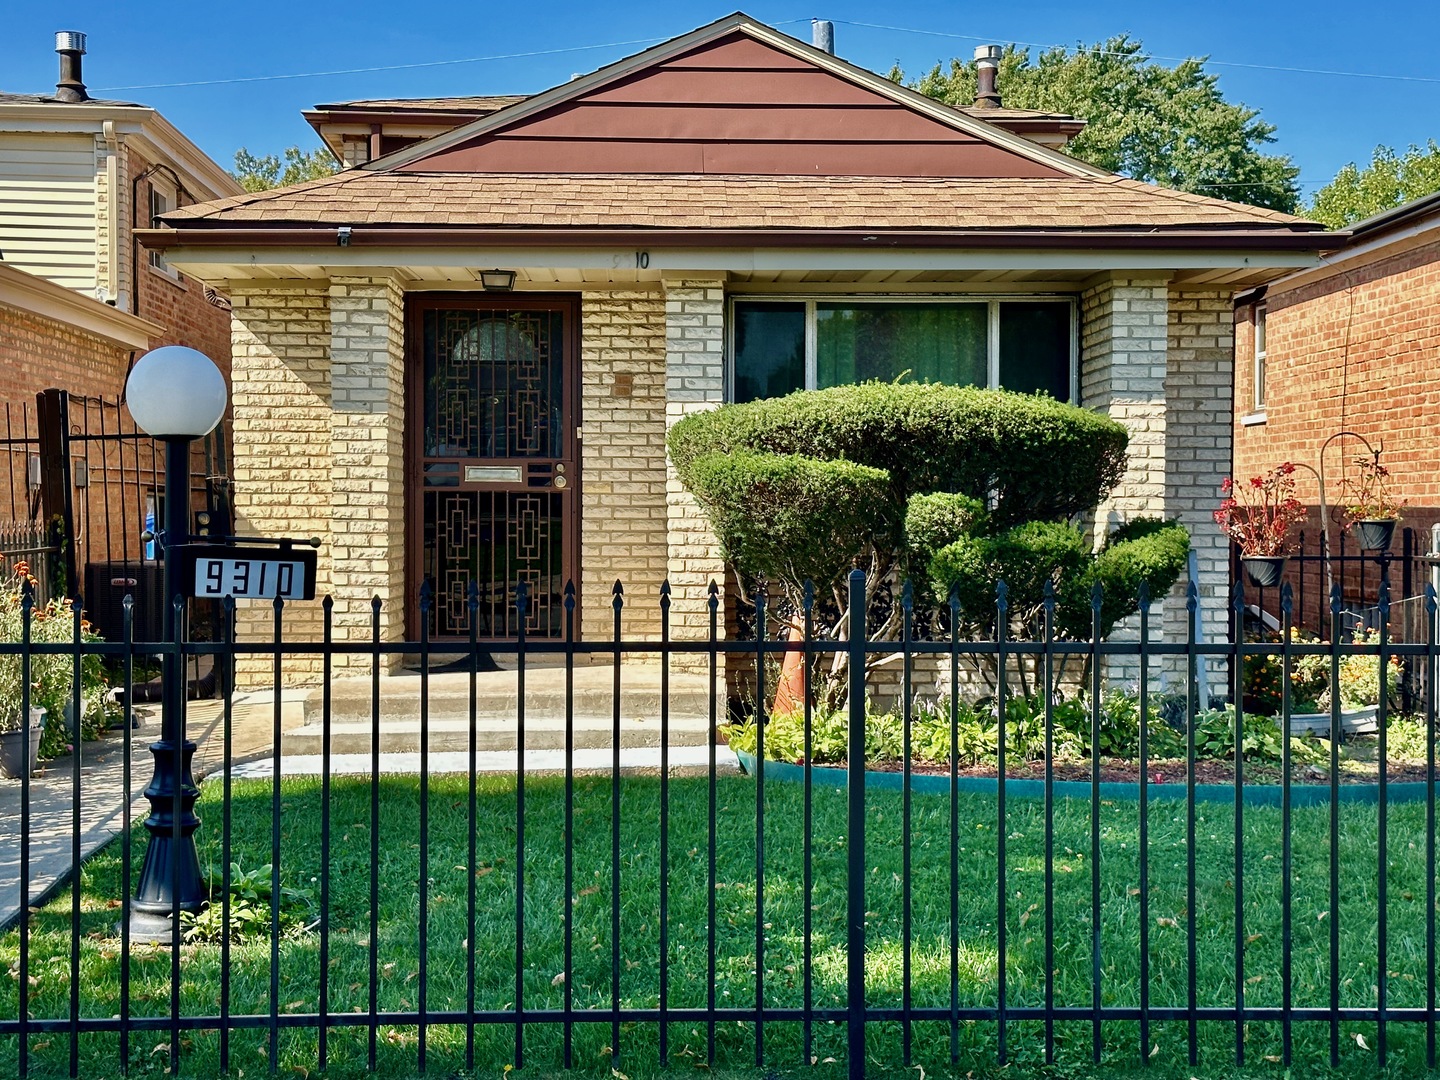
x: 637, y: 260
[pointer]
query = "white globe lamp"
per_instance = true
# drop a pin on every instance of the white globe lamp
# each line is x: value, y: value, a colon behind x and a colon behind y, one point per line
x: 175, y: 392
x: 176, y: 395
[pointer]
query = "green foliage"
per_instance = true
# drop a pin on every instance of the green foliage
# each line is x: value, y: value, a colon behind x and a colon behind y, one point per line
x: 1165, y: 125
x: 1037, y: 458
x: 1146, y: 549
x: 787, y: 517
x: 250, y: 913
x: 1390, y: 180
x: 936, y: 519
x: 1026, y: 557
x: 976, y: 732
x: 1406, y: 739
x: 292, y: 167
x: 1310, y: 677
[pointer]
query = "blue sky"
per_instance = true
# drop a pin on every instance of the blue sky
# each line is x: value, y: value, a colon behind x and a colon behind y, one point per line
x: 1323, y: 121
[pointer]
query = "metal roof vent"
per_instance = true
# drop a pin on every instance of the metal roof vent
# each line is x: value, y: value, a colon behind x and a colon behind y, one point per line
x: 987, y: 64
x: 70, y: 44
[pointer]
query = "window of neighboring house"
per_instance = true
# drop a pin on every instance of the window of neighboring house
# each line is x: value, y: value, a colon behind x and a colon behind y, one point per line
x: 162, y: 202
x: 782, y: 345
x: 1259, y: 401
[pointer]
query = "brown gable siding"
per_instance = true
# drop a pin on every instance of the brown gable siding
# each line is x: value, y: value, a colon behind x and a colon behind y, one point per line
x: 735, y: 105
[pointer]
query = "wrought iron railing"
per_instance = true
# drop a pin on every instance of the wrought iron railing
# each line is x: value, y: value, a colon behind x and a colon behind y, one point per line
x: 1043, y: 919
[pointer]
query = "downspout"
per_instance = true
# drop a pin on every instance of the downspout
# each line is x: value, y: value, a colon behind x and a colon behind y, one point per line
x: 180, y: 193
x: 112, y: 213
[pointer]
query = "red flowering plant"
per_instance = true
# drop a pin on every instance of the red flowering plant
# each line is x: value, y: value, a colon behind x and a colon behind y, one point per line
x: 1367, y: 497
x: 1258, y: 514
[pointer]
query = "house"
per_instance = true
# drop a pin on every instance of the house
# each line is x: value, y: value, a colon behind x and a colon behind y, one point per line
x: 458, y: 359
x: 1349, y: 345
x: 79, y: 298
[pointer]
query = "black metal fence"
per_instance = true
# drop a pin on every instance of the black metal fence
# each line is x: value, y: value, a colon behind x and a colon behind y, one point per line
x: 844, y: 916
x: 80, y: 486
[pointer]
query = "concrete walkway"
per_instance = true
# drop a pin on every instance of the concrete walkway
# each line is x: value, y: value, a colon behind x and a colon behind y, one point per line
x: 302, y: 729
x: 102, y: 789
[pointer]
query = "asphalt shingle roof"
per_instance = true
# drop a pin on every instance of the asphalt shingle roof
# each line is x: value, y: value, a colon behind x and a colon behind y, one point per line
x: 521, y: 200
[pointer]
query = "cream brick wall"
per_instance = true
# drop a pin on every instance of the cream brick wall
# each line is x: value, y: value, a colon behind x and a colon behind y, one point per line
x: 367, y: 458
x: 1198, y: 390
x: 281, y: 400
x: 1158, y: 360
x: 1122, y: 373
x: 694, y: 381
x: 622, y: 460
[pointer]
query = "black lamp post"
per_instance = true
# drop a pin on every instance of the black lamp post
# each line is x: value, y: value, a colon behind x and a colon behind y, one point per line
x: 177, y: 395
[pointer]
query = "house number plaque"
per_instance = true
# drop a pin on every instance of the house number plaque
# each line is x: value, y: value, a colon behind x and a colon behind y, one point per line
x: 250, y: 573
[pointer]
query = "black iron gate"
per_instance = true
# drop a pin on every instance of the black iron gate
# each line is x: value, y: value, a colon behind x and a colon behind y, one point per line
x: 82, y: 489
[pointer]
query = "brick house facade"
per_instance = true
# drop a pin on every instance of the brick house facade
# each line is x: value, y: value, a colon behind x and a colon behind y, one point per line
x: 1352, y: 345
x: 356, y: 297
x: 80, y: 300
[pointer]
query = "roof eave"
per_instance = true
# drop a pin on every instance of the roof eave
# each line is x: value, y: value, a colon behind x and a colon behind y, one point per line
x: 279, y: 236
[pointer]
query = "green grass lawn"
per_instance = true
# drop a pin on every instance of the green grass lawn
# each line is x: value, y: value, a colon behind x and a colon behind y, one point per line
x: 546, y: 902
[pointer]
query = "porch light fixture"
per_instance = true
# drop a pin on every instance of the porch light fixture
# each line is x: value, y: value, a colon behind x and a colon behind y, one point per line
x: 497, y: 280
x: 176, y: 395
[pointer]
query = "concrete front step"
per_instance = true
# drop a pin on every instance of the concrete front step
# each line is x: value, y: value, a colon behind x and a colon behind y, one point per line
x: 495, y: 718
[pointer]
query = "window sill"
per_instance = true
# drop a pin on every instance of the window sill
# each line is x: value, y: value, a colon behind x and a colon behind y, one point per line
x: 172, y: 276
x: 1253, y: 419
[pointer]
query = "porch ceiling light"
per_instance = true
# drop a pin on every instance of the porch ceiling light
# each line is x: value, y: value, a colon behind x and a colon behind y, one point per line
x: 176, y: 392
x: 497, y: 280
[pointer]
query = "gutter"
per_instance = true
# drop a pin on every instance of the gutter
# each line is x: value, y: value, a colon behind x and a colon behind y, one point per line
x: 460, y: 236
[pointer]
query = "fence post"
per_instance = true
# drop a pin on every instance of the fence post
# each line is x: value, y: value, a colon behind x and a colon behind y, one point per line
x: 855, y: 789
x: 52, y: 416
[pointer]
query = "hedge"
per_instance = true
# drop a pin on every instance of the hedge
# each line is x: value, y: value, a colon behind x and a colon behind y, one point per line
x: 1029, y: 457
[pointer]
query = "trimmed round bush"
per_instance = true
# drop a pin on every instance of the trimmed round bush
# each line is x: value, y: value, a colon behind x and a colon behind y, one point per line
x: 788, y: 517
x: 1030, y: 457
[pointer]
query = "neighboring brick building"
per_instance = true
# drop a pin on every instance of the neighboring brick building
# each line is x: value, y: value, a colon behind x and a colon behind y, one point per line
x: 80, y: 300
x: 667, y: 246
x: 1351, y: 345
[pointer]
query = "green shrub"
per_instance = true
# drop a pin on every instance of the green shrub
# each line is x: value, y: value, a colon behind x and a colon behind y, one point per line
x: 1036, y: 458
x: 787, y: 517
x: 1146, y: 549
x: 1025, y: 557
x: 936, y: 519
x: 1405, y: 739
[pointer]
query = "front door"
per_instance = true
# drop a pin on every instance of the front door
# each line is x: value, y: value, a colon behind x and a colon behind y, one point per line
x: 493, y: 416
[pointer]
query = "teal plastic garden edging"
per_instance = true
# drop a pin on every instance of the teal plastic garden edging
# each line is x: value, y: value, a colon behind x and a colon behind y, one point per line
x: 932, y: 784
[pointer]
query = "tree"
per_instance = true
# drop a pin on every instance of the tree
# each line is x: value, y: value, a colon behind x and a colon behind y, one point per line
x: 1390, y: 180
x: 295, y: 165
x: 1164, y: 125
x: 948, y: 486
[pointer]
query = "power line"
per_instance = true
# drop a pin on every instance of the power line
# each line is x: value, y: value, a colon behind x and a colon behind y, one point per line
x: 385, y: 67
x: 1155, y: 56
x: 399, y: 67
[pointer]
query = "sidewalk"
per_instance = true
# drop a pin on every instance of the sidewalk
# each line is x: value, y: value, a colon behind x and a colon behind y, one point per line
x: 102, y: 788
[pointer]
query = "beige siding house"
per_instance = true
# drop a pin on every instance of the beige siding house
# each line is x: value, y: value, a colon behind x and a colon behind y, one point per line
x: 457, y: 360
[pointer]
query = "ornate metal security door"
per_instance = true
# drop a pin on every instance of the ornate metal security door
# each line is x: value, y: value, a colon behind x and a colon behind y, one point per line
x: 495, y: 463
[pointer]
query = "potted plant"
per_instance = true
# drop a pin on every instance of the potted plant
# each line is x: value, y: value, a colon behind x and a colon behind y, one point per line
x: 1371, y: 512
x: 51, y: 675
x: 1359, y: 684
x: 1258, y: 515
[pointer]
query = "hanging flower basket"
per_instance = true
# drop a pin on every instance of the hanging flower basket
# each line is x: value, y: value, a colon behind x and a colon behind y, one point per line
x: 1263, y: 571
x: 1374, y: 534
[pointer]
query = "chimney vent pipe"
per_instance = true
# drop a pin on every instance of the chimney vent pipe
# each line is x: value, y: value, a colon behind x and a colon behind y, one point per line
x: 987, y: 64
x: 822, y: 35
x: 70, y: 44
